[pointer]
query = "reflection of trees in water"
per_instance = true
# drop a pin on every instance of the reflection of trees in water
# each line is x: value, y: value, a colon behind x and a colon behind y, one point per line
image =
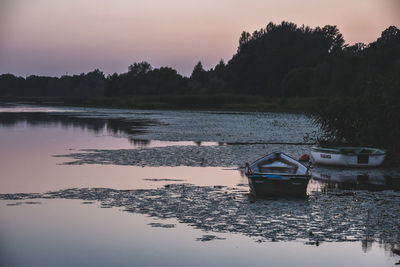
x: 242, y: 172
x: 139, y: 142
x: 366, y: 244
x: 113, y: 126
x: 394, y: 249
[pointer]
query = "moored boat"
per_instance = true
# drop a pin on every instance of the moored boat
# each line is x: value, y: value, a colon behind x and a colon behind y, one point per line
x: 348, y: 156
x: 277, y: 174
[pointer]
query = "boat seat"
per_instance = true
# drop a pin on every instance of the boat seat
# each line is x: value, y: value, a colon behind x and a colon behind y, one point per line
x: 279, y: 166
x: 277, y: 170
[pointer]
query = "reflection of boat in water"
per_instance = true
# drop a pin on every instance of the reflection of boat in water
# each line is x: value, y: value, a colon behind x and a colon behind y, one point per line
x: 330, y: 179
x: 277, y: 174
x: 348, y: 156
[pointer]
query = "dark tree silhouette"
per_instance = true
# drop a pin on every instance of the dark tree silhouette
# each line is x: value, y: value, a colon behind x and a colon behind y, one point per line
x: 140, y: 68
x: 198, y: 73
x: 280, y: 60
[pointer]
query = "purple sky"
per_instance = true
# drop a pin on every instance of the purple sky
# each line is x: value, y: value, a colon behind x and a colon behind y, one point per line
x: 53, y: 37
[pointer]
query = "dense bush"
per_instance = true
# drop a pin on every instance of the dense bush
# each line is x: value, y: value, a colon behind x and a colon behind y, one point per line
x: 371, y: 116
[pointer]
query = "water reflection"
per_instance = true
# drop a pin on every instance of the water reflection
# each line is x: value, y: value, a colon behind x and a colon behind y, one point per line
x: 128, y: 128
x: 109, y: 237
x: 139, y: 142
x: 114, y: 126
x: 356, y: 180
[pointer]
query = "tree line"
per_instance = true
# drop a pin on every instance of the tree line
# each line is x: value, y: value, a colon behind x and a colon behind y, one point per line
x: 280, y: 60
x: 91, y: 84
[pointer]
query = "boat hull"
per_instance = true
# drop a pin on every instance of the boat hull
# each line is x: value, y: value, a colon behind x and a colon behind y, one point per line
x: 326, y: 157
x: 277, y: 175
x: 264, y: 186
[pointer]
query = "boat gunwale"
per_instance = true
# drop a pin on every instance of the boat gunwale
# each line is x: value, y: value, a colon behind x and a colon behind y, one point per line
x: 278, y: 153
x: 294, y: 175
x: 340, y: 150
x: 285, y: 175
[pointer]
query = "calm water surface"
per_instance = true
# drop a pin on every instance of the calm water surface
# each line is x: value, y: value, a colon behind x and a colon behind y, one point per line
x: 76, y: 230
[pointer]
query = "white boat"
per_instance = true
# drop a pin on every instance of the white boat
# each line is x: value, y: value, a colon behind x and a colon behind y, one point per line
x: 348, y: 156
x: 277, y: 174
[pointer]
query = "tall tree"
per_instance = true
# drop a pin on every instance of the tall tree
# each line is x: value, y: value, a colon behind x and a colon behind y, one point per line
x: 198, y: 73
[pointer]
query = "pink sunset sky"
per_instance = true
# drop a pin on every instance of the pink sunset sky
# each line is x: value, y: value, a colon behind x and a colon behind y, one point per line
x: 55, y: 37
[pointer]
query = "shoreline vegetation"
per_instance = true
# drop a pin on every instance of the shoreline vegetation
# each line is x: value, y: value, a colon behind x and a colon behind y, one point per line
x: 352, y: 91
x: 220, y: 102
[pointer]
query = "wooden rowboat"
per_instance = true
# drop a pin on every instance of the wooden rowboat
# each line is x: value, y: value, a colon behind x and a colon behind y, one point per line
x: 348, y: 156
x: 277, y: 174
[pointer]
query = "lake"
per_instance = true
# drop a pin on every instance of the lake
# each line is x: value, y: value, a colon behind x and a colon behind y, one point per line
x: 114, y: 187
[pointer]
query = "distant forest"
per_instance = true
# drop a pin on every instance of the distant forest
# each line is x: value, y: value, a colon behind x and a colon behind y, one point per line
x: 280, y: 60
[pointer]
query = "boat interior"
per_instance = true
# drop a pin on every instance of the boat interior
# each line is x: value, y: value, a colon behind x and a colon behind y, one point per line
x: 352, y: 150
x: 277, y: 165
x: 358, y: 150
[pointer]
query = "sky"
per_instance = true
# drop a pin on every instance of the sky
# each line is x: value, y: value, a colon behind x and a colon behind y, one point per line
x: 58, y: 37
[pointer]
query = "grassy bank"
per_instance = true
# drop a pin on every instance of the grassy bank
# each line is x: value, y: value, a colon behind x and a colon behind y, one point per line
x: 185, y: 102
